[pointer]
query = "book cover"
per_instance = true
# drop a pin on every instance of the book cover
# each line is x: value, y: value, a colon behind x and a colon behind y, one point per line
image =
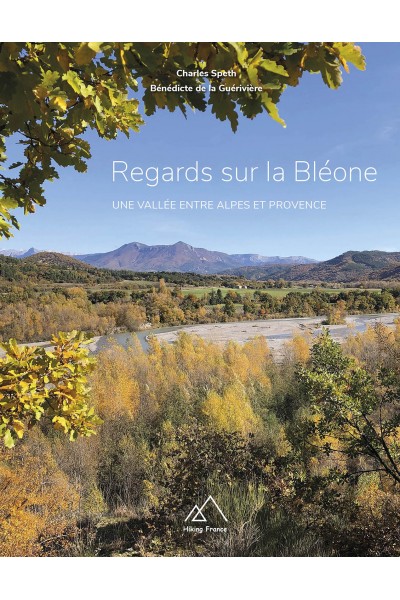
x: 199, y: 299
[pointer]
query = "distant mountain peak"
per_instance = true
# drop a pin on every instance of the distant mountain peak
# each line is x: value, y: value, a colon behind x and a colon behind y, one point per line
x: 32, y: 251
x: 135, y: 245
x: 19, y: 253
x: 181, y: 244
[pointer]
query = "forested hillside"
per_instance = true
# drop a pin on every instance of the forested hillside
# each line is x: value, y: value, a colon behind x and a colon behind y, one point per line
x: 47, y: 293
x: 302, y: 455
x: 348, y: 267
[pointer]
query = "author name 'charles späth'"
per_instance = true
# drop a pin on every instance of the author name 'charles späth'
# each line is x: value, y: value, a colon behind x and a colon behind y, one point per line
x: 213, y: 73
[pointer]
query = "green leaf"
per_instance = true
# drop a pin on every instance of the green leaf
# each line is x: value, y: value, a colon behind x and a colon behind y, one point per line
x: 271, y: 108
x: 84, y: 54
x: 95, y: 46
x: 8, y: 203
x: 351, y: 53
x: 73, y: 80
x: 50, y: 78
x: 241, y: 52
x: 8, y: 439
x: 61, y: 423
x: 15, y: 165
x: 252, y: 72
x: 59, y: 102
x: 273, y: 67
x: 19, y: 428
x: 223, y: 107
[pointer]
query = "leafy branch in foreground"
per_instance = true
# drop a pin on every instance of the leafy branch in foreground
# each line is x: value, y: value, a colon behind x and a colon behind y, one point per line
x: 353, y: 412
x: 51, y: 93
x: 36, y: 382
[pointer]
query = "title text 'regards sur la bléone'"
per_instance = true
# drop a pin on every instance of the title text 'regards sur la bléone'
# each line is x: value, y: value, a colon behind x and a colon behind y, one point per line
x: 302, y: 171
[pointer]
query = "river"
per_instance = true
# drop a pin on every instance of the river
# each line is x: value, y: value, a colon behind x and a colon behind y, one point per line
x: 276, y: 331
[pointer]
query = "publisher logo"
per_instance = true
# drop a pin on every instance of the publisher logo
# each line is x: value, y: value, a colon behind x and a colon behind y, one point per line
x: 202, y: 514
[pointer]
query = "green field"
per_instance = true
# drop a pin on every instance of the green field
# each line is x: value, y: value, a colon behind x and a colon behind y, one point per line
x: 275, y: 292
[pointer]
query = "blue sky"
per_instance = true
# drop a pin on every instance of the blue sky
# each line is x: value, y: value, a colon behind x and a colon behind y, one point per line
x: 358, y: 124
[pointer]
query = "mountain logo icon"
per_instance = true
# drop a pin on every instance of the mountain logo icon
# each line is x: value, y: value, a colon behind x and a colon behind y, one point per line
x: 196, y: 515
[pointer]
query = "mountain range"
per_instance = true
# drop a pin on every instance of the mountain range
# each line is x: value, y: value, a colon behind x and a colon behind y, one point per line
x: 351, y: 266
x: 20, y: 253
x: 179, y: 257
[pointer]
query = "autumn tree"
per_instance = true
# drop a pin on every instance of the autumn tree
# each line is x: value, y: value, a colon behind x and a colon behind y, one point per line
x: 231, y: 411
x: 297, y: 350
x: 115, y: 389
x: 36, y: 382
x: 336, y: 313
x: 52, y: 93
x: 37, y: 502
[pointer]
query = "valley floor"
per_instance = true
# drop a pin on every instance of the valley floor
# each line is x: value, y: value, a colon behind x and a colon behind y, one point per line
x: 278, y: 331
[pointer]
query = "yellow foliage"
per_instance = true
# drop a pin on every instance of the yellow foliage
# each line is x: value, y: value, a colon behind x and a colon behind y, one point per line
x: 369, y: 494
x: 237, y: 361
x: 36, y: 501
x: 371, y: 347
x: 397, y: 330
x: 131, y: 380
x: 231, y: 411
x: 297, y: 350
x: 336, y: 313
x: 32, y: 320
x: 115, y: 390
x: 92, y: 504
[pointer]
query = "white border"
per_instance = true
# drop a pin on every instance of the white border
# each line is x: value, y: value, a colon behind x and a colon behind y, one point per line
x: 199, y: 579
x: 178, y: 20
